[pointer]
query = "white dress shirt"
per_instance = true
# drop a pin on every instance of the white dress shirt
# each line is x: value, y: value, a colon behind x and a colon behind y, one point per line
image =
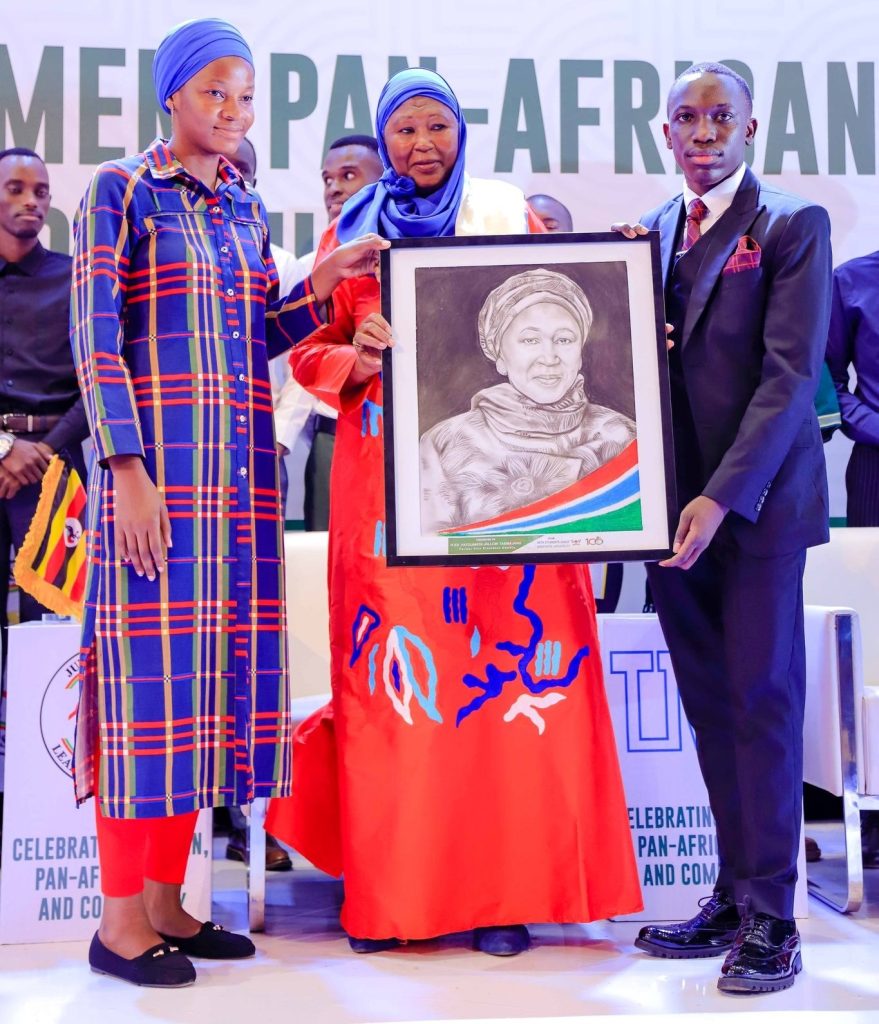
x: 718, y: 199
x: 292, y: 404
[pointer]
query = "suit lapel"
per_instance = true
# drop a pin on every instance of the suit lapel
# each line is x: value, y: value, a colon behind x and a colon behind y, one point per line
x: 668, y: 233
x: 720, y: 244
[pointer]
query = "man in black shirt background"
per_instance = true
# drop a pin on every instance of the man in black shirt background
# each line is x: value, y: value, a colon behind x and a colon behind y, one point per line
x: 41, y: 410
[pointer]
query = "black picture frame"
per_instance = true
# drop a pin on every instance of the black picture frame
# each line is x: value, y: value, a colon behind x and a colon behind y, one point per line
x: 551, y: 475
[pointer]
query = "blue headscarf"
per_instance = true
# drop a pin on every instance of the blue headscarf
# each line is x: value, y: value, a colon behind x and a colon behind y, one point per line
x: 191, y: 46
x: 390, y: 206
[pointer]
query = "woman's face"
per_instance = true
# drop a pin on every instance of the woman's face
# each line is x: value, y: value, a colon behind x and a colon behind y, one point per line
x: 213, y: 111
x: 421, y: 137
x: 541, y: 352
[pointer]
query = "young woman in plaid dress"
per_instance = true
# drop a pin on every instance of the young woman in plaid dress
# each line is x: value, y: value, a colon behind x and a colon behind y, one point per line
x: 184, y: 701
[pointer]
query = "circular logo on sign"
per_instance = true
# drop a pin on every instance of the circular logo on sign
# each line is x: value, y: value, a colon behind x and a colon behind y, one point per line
x: 72, y: 532
x: 58, y: 714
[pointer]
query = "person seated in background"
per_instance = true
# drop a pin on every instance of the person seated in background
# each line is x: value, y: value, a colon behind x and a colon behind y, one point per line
x: 853, y: 343
x: 555, y: 215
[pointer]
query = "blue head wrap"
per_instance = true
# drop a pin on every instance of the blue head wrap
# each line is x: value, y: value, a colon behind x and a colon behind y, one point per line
x: 191, y: 46
x: 390, y: 206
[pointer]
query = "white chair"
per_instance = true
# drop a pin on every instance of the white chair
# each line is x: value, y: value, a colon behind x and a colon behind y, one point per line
x: 842, y: 706
x: 308, y: 655
x: 832, y: 734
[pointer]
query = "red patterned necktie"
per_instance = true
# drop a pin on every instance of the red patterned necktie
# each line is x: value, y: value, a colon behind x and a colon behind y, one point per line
x: 697, y: 211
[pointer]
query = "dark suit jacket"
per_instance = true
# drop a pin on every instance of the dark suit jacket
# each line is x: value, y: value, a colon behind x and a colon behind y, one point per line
x: 752, y: 347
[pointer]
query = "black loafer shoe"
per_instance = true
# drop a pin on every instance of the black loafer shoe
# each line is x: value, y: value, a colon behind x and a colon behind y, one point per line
x: 710, y: 933
x: 504, y: 940
x: 765, y: 956
x: 162, y: 966
x: 213, y: 942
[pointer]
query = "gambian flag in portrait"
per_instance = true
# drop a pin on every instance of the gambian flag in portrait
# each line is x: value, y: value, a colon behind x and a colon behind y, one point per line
x: 50, y: 564
x: 608, y: 499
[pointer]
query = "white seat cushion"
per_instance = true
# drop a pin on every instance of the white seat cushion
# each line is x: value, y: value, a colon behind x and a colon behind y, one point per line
x: 308, y: 628
x: 822, y: 743
x: 870, y: 760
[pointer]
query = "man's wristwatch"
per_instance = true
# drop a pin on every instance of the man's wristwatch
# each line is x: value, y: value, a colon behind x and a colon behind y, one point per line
x: 6, y: 442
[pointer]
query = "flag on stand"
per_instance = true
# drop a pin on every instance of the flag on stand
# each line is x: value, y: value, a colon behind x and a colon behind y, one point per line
x: 50, y: 564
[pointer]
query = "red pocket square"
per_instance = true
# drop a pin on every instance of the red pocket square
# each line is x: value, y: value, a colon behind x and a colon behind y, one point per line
x: 746, y: 256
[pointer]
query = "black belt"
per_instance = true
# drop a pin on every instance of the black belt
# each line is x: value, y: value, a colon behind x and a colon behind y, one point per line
x: 324, y: 424
x: 25, y: 423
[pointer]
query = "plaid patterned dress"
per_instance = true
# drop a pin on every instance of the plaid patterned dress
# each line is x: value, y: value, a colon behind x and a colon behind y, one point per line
x: 174, y: 317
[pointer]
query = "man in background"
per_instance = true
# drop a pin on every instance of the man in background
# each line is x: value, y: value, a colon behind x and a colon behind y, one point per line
x: 555, y: 215
x: 351, y: 163
x: 41, y: 411
x: 290, y: 273
x: 853, y: 342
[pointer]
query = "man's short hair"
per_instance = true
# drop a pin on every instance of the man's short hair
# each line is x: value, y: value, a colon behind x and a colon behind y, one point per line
x: 20, y: 151
x: 714, y: 68
x: 356, y: 140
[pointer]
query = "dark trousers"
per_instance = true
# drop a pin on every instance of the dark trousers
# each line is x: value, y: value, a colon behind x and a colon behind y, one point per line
x: 862, y: 486
x: 316, y: 506
x: 734, y: 628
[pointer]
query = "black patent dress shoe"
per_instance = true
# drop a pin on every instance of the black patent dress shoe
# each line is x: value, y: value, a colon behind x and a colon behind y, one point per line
x: 710, y: 933
x: 161, y: 966
x: 765, y: 956
x: 213, y: 942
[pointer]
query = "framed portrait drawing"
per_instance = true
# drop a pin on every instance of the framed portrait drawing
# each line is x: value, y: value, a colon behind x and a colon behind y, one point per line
x: 526, y: 400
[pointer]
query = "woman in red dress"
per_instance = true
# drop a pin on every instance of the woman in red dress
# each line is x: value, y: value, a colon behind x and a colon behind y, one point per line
x: 465, y: 775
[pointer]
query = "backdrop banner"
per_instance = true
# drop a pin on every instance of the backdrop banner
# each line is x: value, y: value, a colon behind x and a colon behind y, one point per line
x: 669, y: 815
x: 50, y: 887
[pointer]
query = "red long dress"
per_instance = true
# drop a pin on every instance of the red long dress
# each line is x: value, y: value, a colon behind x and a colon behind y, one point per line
x: 448, y: 793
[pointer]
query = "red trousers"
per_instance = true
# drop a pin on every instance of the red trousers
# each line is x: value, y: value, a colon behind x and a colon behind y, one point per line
x: 132, y: 849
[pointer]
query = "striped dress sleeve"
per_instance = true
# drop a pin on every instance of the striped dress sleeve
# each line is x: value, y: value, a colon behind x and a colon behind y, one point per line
x: 291, y: 317
x: 97, y: 310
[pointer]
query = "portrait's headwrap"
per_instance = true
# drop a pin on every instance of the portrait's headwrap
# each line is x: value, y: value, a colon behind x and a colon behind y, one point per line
x: 519, y: 292
x: 191, y: 46
x: 390, y: 206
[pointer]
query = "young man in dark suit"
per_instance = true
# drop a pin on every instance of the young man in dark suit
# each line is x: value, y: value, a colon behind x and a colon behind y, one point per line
x: 747, y: 273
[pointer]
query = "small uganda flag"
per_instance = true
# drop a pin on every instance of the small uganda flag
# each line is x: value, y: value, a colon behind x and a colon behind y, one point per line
x: 50, y: 564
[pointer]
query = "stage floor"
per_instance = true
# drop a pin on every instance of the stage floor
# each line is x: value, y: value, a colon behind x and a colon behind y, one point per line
x: 304, y: 973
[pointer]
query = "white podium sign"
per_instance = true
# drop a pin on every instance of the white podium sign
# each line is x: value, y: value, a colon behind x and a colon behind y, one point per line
x: 50, y: 883
x: 669, y: 814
